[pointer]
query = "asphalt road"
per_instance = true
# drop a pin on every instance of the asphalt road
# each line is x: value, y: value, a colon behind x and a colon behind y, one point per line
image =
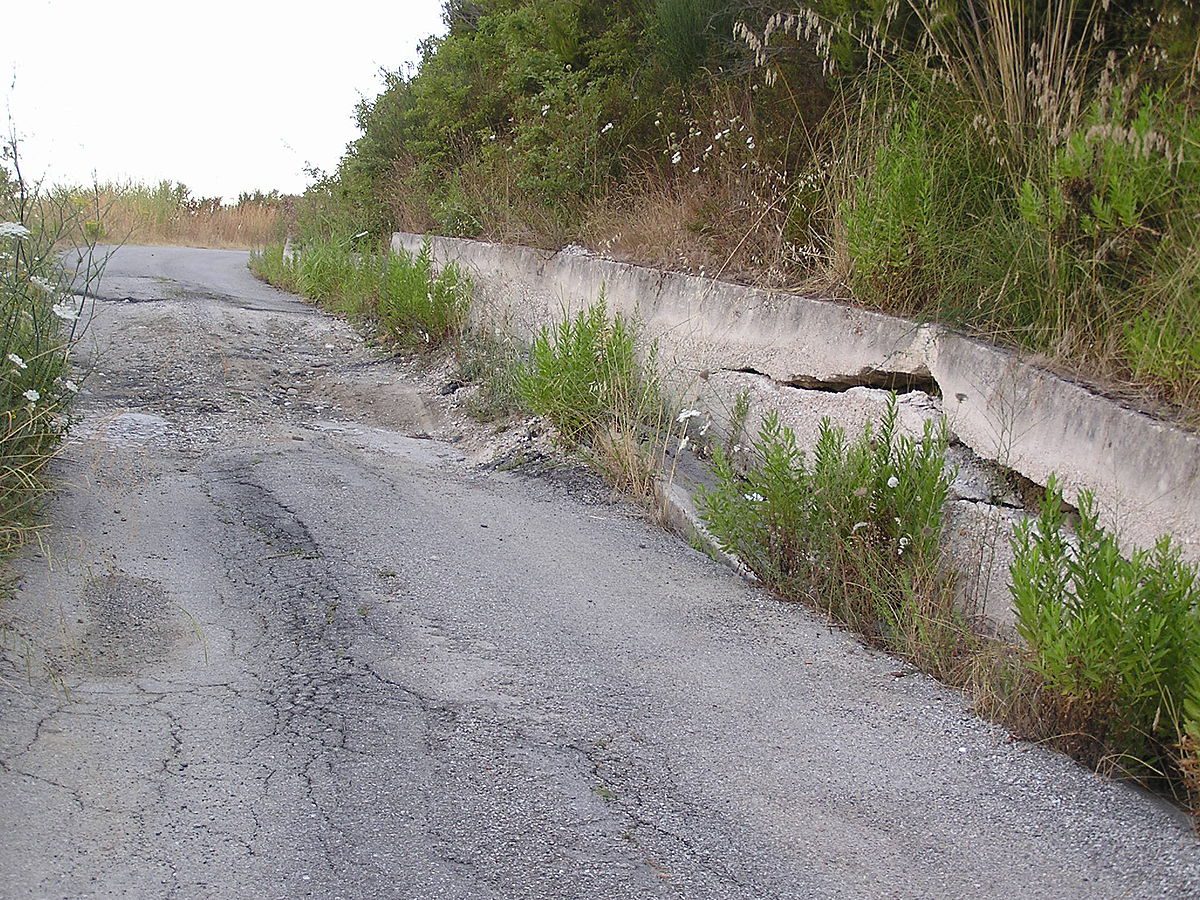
x: 303, y: 645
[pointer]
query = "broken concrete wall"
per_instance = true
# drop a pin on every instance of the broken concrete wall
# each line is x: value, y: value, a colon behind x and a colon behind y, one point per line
x: 811, y: 358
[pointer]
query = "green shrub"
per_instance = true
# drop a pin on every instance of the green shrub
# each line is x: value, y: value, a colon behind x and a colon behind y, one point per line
x: 584, y: 374
x: 1116, y: 639
x: 856, y: 529
x: 418, y: 306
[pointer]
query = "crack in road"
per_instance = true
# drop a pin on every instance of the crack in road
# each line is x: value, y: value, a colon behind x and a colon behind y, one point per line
x: 293, y: 664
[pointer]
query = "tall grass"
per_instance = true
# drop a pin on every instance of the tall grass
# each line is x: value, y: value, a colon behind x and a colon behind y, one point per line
x: 855, y: 530
x: 168, y: 213
x: 586, y: 376
x: 1029, y: 173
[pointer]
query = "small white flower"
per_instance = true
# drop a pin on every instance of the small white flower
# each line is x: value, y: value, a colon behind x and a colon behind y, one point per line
x: 32, y: 396
x: 676, y: 158
x: 755, y: 497
x: 687, y: 414
x: 17, y: 361
x: 858, y: 526
x: 704, y: 428
x: 607, y: 128
x: 893, y: 482
x: 695, y: 170
x: 14, y: 230
x: 683, y: 443
x: 545, y: 109
x: 71, y: 386
x: 904, y: 542
x: 65, y: 311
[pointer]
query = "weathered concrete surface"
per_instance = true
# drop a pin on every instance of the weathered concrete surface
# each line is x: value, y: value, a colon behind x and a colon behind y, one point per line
x: 701, y: 325
x: 303, y: 653
x: 1146, y: 474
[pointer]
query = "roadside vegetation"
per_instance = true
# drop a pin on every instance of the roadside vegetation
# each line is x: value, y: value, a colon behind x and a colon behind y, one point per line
x: 168, y: 213
x: 40, y: 308
x: 1109, y: 667
x: 1025, y: 171
x: 398, y: 296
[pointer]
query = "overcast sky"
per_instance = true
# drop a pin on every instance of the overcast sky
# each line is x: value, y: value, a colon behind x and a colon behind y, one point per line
x: 223, y: 95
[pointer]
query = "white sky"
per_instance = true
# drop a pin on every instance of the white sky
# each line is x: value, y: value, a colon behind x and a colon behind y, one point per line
x: 223, y: 95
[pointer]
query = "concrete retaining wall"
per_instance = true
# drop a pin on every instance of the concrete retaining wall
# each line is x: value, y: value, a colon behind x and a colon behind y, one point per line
x: 810, y: 358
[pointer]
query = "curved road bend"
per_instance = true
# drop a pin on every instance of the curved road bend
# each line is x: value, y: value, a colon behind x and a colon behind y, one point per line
x: 303, y: 653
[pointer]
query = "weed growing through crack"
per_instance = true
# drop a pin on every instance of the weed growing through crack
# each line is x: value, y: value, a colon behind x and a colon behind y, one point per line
x: 586, y: 377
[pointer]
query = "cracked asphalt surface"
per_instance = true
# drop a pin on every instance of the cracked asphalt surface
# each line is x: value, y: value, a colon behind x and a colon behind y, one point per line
x: 304, y: 645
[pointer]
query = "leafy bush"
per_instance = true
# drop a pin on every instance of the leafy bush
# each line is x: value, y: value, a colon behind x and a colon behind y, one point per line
x: 417, y: 305
x: 1116, y: 639
x: 855, y: 529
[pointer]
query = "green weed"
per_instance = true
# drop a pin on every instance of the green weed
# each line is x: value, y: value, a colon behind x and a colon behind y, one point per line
x: 39, y: 323
x: 1116, y: 639
x: 855, y: 530
x: 586, y: 377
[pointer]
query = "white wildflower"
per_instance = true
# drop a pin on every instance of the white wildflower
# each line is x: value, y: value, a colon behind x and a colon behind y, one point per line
x: 687, y: 414
x: 545, y: 109
x: 676, y: 158
x: 904, y: 542
x: 42, y: 284
x: 755, y: 497
x: 607, y: 128
x: 65, y: 311
x: 893, y: 482
x: 704, y: 428
x: 14, y: 230
x: 32, y: 396
x: 695, y: 170
x: 17, y: 361
x: 858, y: 526
x: 683, y: 443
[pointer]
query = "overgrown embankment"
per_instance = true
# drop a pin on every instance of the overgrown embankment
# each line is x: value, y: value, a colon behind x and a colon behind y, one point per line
x: 1026, y: 171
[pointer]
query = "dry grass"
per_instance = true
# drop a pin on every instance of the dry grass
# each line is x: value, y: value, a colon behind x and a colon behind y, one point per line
x: 231, y: 227
x: 242, y: 228
x: 166, y: 214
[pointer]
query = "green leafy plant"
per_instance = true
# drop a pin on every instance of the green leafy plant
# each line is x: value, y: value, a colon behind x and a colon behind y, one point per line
x: 855, y: 529
x: 1115, y: 638
x: 584, y: 373
x: 43, y: 310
